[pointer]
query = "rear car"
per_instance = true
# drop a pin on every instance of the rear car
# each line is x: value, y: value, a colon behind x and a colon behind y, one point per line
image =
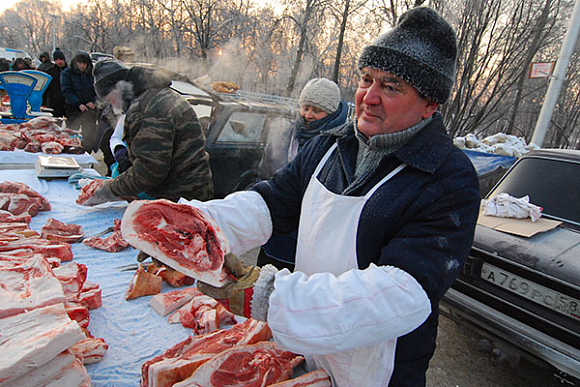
x: 523, y: 293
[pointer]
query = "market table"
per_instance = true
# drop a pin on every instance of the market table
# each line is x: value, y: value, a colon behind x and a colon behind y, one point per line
x: 133, y: 331
x: 19, y: 159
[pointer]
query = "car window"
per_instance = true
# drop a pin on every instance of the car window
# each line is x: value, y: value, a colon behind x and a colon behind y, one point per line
x: 550, y: 184
x: 243, y: 127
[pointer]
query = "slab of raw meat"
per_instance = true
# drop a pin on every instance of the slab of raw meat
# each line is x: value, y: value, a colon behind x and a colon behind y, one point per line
x: 90, y: 296
x: 13, y: 226
x: 21, y: 188
x: 143, y: 284
x: 90, y: 350
x: 72, y: 276
x: 88, y: 190
x: 203, y: 314
x: 8, y: 217
x: 59, y: 231
x: 61, y: 250
x: 165, y: 303
x: 172, y: 277
x: 178, y: 235
x: 113, y: 243
x: 78, y: 313
x: 179, y: 362
x: 64, y: 370
x: 18, y: 204
x: 52, y: 148
x: 8, y: 236
x: 254, y: 365
x: 31, y: 339
x: 27, y: 284
x: 318, y: 378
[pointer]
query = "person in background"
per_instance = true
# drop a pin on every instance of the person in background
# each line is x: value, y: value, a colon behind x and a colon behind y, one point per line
x: 321, y: 109
x: 53, y: 93
x: 20, y: 64
x: 386, y: 208
x: 45, y: 61
x: 79, y: 94
x: 164, y: 141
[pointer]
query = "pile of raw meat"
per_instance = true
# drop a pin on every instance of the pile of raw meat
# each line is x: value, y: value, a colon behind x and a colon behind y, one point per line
x: 42, y: 134
x: 44, y: 313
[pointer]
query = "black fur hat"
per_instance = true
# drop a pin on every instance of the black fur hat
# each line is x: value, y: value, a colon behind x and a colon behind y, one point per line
x: 107, y: 72
x: 421, y: 49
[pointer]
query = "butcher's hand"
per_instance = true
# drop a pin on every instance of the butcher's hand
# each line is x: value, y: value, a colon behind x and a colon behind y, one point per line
x: 101, y: 195
x: 247, y: 296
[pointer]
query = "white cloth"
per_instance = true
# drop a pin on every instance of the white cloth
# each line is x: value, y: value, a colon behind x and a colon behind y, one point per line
x: 347, y: 319
x: 507, y: 206
x: 117, y: 136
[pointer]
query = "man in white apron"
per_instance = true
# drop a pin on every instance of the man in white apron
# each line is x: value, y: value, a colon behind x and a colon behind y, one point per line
x: 386, y: 209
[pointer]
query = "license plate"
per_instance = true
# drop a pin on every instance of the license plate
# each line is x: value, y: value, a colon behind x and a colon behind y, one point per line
x: 532, y: 291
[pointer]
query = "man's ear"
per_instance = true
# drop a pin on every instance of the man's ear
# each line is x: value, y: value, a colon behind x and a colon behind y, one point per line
x: 429, y: 109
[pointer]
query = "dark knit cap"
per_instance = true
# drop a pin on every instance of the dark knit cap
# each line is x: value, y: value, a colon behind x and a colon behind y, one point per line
x: 58, y: 54
x: 421, y: 49
x: 107, y: 72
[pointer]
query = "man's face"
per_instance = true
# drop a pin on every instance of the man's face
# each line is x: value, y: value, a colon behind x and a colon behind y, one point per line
x: 59, y: 62
x: 311, y: 113
x: 387, y: 104
x: 82, y: 66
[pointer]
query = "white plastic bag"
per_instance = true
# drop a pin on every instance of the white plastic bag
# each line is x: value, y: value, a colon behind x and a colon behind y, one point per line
x: 506, y: 206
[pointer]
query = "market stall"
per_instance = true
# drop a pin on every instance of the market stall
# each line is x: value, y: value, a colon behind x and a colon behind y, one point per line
x: 132, y: 330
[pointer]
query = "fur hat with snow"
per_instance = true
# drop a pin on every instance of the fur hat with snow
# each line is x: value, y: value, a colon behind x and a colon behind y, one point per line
x: 321, y: 93
x: 107, y: 72
x: 421, y: 49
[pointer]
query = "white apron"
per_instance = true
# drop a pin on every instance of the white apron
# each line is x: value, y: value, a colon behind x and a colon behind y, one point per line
x: 327, y: 243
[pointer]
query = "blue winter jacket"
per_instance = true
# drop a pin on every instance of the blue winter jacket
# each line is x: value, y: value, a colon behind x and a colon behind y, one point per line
x: 77, y: 85
x: 421, y: 221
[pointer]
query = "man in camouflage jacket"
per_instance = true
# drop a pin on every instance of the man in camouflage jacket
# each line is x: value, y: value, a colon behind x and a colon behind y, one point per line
x: 165, y: 142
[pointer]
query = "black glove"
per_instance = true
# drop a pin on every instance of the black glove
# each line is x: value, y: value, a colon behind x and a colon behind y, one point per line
x: 122, y: 158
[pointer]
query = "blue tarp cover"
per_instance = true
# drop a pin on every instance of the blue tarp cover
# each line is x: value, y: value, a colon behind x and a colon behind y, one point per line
x: 485, y: 162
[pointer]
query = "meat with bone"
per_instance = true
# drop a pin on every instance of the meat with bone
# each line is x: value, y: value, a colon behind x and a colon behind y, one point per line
x: 18, y: 204
x: 8, y: 217
x: 203, y: 314
x: 143, y: 284
x: 113, y: 243
x: 78, y: 312
x: 14, y: 226
x: 172, y: 277
x: 58, y: 231
x: 9, y: 236
x: 32, y: 339
x: 42, y: 246
x: 90, y: 350
x: 318, y: 378
x: 64, y: 370
x: 21, y: 188
x: 27, y: 284
x: 165, y: 303
x: 52, y: 147
x: 88, y: 190
x: 90, y: 296
x: 178, y: 235
x: 181, y: 360
x: 72, y: 276
x: 255, y: 365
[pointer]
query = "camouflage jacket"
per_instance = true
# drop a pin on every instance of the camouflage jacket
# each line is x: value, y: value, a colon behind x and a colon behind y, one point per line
x: 166, y: 146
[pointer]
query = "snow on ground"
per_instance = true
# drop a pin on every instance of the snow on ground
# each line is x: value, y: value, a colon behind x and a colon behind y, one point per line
x: 498, y: 144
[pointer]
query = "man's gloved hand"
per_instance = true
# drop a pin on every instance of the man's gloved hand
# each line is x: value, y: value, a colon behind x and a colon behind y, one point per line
x: 248, y: 295
x: 101, y: 195
x: 122, y: 158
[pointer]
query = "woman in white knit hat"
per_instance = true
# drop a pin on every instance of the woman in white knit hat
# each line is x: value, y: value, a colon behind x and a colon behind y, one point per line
x: 321, y: 109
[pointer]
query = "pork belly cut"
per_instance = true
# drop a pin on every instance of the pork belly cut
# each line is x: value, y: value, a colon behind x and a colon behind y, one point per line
x: 90, y: 296
x: 61, y: 250
x: 172, y: 277
x: 13, y: 226
x: 165, y: 303
x: 59, y: 231
x: 65, y: 370
x: 318, y: 378
x: 31, y: 339
x: 8, y: 217
x: 90, y: 350
x: 178, y: 235
x: 21, y: 188
x: 72, y: 276
x: 143, y: 284
x: 27, y: 284
x: 78, y: 313
x: 181, y: 360
x: 8, y: 236
x: 203, y: 314
x: 255, y: 365
x: 113, y: 243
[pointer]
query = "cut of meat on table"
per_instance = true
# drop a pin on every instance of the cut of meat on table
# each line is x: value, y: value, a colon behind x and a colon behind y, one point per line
x: 72, y: 276
x: 78, y: 313
x: 63, y: 371
x: 181, y: 360
x: 203, y: 314
x: 61, y: 250
x: 113, y: 243
x: 172, y: 277
x: 318, y: 378
x: 59, y: 231
x: 178, y: 235
x: 18, y: 204
x: 90, y: 350
x: 256, y: 365
x: 8, y: 236
x: 52, y: 148
x: 90, y: 296
x: 143, y: 284
x: 165, y: 303
x: 32, y: 339
x: 21, y: 188
x: 8, y: 217
x: 13, y: 226
x: 88, y: 190
x: 27, y: 284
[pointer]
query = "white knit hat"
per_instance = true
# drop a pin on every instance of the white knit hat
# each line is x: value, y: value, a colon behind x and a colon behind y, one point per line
x: 321, y: 93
